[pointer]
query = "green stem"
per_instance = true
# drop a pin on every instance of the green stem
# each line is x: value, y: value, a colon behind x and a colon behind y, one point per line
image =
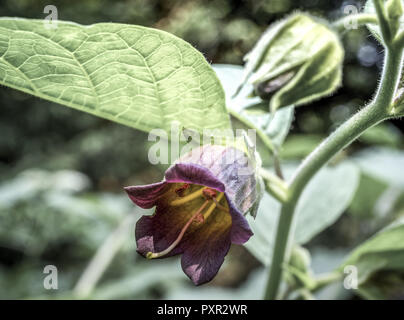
x: 277, y: 165
x: 306, y: 294
x: 274, y: 185
x: 369, y: 116
x: 324, y: 280
x: 361, y: 19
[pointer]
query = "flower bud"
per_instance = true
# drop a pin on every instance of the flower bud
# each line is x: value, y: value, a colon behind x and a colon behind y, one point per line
x: 296, y: 61
x: 394, y: 12
x: 300, y: 258
x: 298, y: 269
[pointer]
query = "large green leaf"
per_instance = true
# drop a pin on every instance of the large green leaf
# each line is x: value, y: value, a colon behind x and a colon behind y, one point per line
x: 323, y: 201
x: 276, y: 126
x: 140, y: 77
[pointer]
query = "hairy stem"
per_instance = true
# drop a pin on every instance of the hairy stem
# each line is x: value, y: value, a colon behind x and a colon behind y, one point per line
x: 369, y: 116
x: 274, y: 185
x: 361, y: 19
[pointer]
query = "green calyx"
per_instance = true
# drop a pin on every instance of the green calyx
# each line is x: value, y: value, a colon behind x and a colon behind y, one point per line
x: 296, y: 61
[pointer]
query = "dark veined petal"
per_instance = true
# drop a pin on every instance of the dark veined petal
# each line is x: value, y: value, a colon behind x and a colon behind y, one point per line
x: 155, y: 233
x: 201, y: 263
x: 194, y: 174
x: 147, y: 196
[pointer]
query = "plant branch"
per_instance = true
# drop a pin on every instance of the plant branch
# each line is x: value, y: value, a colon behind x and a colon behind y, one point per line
x: 369, y: 116
x: 306, y: 294
x: 324, y: 280
x: 274, y: 185
x: 277, y: 165
x: 361, y: 19
x: 321, y: 281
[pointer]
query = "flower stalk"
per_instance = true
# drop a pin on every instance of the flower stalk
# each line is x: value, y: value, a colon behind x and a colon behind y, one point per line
x: 274, y: 185
x: 360, y: 19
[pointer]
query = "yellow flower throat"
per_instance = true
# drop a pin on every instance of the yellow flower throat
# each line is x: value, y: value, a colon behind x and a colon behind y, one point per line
x: 212, y: 199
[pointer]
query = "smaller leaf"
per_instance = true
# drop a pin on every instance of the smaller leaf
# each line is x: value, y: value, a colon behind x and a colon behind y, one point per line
x: 384, y: 285
x: 384, y: 164
x: 384, y: 251
x: 276, y: 126
x: 367, y: 194
x: 229, y: 76
x: 325, y: 198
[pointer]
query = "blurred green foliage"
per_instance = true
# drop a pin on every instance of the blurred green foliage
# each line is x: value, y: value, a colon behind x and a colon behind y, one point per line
x: 62, y: 171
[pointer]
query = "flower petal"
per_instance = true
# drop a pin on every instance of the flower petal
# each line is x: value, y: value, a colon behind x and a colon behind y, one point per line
x: 154, y: 234
x: 194, y: 174
x: 157, y: 232
x: 204, y: 252
x: 147, y: 196
x: 202, y: 263
x: 240, y: 230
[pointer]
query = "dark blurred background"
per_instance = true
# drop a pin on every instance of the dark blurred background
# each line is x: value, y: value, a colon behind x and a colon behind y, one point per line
x: 62, y: 171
